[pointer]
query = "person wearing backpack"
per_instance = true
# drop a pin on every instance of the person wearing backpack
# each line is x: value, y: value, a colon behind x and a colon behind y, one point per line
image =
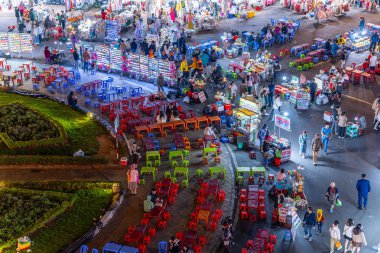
x: 174, y: 245
x: 358, y: 239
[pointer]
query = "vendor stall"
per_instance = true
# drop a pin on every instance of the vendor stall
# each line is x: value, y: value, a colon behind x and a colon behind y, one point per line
x: 89, y: 29
x: 247, y: 117
x: 74, y: 16
x: 112, y: 30
x: 281, y: 148
x: 15, y: 43
x: 126, y: 18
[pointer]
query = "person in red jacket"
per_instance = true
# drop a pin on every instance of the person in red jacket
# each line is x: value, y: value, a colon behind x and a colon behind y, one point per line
x: 47, y: 55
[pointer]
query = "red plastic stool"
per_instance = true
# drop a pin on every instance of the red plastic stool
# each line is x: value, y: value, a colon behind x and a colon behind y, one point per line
x: 146, y: 215
x: 166, y: 216
x: 269, y: 247
x: 193, y: 216
x: 193, y: 225
x: 142, y: 248
x: 212, y: 226
x: 201, y: 192
x: 215, y: 217
x: 173, y: 192
x: 261, y: 207
x: 144, y: 222
x: 146, y: 240
x: 244, y: 250
x: 273, y: 239
x: 202, y: 240
x: 197, y: 249
x: 171, y: 200
x: 151, y: 232
x: 8, y: 67
x: 179, y: 236
x: 261, y: 192
x: 200, y: 200
x: 197, y: 208
x: 263, y: 215
x: 243, y: 207
x: 243, y: 198
x: 244, y: 215
x: 221, y: 195
x: 249, y: 244
x: 261, y: 199
x: 131, y: 228
x: 162, y: 224
x: 218, y: 212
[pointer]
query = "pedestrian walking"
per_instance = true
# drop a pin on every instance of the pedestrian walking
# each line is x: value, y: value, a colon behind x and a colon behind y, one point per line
x: 326, y: 134
x: 336, y: 111
x: 334, y: 236
x: 309, y: 221
x: 320, y: 220
x: 332, y: 195
x: 347, y: 234
x: 374, y: 40
x: 76, y: 58
x: 86, y: 60
x: 316, y: 145
x: 276, y: 107
x: 263, y: 133
x: 358, y: 239
x: 303, y: 140
x: 133, y: 177
x: 376, y: 109
x: 174, y: 245
x: 342, y: 124
x: 363, y: 187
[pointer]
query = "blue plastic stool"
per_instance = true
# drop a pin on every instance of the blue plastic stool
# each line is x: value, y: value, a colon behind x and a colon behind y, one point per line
x: 83, y: 249
x: 77, y: 75
x: 71, y: 81
x: 86, y: 94
x: 51, y: 89
x: 287, y: 236
x: 87, y: 102
x: 314, y: 47
x: 162, y: 247
x: 36, y: 87
x: 94, y: 251
x: 151, y: 135
x: 325, y: 57
x: 315, y: 60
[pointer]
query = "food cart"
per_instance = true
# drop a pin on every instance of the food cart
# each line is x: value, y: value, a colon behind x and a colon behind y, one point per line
x: 247, y: 117
x: 282, y: 148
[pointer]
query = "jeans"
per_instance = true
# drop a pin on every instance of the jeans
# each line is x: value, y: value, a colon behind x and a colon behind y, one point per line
x: 76, y: 66
x: 325, y: 141
x: 85, y: 66
x: 134, y: 51
x: 270, y: 98
x: 308, y: 230
x: 360, y: 199
x: 319, y: 226
x: 342, y: 131
x: 373, y: 45
x: 334, y: 126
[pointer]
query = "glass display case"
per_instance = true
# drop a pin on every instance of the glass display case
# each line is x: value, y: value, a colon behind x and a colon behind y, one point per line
x: 247, y: 117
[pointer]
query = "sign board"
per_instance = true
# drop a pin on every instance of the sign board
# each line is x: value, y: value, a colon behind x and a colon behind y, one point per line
x: 117, y: 123
x: 202, y: 96
x: 282, y: 121
x: 249, y: 105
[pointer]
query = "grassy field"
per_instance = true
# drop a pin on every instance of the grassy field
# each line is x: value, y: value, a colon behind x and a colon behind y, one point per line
x: 88, y: 201
x: 81, y: 130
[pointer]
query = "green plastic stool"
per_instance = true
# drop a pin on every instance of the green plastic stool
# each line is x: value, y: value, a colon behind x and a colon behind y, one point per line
x: 311, y: 65
x: 186, y: 152
x: 302, y: 56
x: 292, y: 64
x: 240, y: 179
x: 185, y: 163
x: 174, y: 163
x: 174, y: 179
x: 305, y: 66
x: 157, y: 163
x: 299, y: 68
x: 199, y: 172
x: 149, y: 163
x: 167, y: 174
x: 185, y: 183
x: 142, y: 181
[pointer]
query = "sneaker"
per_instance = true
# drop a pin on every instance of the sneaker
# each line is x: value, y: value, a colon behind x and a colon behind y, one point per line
x: 314, y: 163
x: 306, y: 236
x: 310, y: 239
x: 303, y: 156
x: 331, y: 210
x: 359, y: 207
x: 339, y: 137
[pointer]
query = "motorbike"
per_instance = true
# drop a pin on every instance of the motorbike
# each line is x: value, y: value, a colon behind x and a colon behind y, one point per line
x: 227, y: 233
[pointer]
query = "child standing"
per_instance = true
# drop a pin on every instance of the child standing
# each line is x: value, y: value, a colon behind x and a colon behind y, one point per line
x: 320, y: 221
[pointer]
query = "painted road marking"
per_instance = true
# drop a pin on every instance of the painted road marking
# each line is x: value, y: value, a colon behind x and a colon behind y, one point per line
x: 357, y: 99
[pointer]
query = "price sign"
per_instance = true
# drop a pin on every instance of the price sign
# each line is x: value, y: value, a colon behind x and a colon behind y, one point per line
x: 202, y: 96
x: 282, y: 121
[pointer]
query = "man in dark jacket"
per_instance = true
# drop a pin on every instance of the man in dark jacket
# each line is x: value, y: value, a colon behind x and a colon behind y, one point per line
x: 134, y: 46
x: 363, y: 187
x: 309, y: 221
x: 144, y: 47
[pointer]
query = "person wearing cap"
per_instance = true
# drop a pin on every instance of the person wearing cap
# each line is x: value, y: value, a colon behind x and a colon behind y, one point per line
x: 332, y: 195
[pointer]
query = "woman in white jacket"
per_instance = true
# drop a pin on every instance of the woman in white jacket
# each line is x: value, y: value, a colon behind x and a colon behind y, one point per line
x: 334, y: 235
x: 347, y: 234
x: 358, y: 239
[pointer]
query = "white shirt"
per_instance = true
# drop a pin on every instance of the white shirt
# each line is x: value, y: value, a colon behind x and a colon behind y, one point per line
x: 277, y: 103
x: 348, y: 231
x: 373, y: 61
x: 335, y: 232
x: 233, y: 90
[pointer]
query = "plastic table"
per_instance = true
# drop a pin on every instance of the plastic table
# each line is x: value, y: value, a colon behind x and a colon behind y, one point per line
x: 257, y: 170
x: 243, y: 170
x: 175, y: 153
x: 149, y: 170
x: 111, y: 248
x: 210, y: 150
x: 127, y: 249
x: 213, y: 170
x: 153, y: 154
x: 183, y: 170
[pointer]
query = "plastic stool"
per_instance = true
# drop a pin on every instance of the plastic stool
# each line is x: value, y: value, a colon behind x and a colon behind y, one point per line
x: 179, y: 236
x: 152, y: 232
x: 199, y: 172
x: 244, y: 215
x: 212, y: 226
x: 221, y: 195
x: 162, y: 224
x: 202, y: 240
x: 193, y: 225
x: 146, y: 240
x: 243, y: 198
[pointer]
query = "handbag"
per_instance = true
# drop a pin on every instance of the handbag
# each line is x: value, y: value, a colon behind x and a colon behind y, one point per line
x: 338, y: 245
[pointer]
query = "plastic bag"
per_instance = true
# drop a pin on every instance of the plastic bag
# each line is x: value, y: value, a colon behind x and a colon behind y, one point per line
x: 338, y: 202
x: 338, y: 245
